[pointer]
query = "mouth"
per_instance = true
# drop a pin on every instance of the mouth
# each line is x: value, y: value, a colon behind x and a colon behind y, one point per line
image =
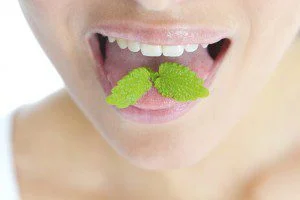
x: 120, y: 49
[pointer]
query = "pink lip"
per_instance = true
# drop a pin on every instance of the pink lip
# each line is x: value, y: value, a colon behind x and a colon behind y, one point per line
x: 163, y: 35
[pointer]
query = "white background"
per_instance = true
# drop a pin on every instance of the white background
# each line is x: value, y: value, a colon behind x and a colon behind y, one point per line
x: 26, y: 74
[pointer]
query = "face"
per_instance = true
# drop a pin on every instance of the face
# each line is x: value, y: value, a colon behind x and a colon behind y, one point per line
x: 246, y: 40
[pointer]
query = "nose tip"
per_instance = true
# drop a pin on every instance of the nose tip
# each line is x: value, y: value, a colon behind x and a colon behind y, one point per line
x: 157, y: 5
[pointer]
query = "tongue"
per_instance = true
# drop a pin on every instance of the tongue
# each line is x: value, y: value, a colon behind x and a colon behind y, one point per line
x: 121, y: 61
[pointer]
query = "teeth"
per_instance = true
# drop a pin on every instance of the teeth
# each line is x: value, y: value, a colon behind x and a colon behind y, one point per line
x: 151, y: 50
x: 155, y: 50
x: 134, y: 46
x: 173, y: 51
x: 122, y: 43
x: 204, y: 45
x: 111, y: 39
x: 191, y: 47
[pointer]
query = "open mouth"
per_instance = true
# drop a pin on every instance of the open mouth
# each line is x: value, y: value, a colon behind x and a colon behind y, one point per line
x: 116, y: 56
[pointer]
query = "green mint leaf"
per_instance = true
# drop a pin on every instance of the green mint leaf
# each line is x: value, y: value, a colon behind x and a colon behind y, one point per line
x: 153, y: 75
x: 179, y: 82
x: 130, y: 88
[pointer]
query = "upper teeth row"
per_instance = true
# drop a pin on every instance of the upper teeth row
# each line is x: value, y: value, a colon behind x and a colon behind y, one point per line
x: 155, y: 50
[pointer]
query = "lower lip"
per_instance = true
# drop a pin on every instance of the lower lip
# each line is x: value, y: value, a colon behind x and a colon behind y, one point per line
x: 155, y: 116
x: 144, y: 116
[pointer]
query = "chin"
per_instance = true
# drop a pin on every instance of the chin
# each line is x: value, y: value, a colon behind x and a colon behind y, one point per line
x: 179, y: 144
x: 163, y: 151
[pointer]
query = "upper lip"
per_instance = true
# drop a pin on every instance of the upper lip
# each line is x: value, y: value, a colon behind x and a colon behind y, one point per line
x: 162, y: 34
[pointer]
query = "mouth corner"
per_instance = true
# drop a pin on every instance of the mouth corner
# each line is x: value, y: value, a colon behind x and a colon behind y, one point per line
x: 94, y: 46
x: 219, y: 49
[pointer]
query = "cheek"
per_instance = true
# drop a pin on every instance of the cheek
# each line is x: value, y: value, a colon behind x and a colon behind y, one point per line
x: 46, y: 4
x: 269, y: 10
x: 273, y: 20
x: 50, y: 22
x: 272, y: 27
x: 45, y: 9
x: 47, y: 18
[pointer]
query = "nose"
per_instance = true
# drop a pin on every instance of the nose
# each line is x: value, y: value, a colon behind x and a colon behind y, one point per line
x: 157, y: 5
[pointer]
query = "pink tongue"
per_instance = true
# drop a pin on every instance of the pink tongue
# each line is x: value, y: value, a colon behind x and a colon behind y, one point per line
x: 121, y: 61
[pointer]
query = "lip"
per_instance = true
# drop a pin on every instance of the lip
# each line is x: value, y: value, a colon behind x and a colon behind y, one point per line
x: 163, y: 35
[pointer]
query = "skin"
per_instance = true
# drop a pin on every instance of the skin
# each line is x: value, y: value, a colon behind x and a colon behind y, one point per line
x: 251, y: 152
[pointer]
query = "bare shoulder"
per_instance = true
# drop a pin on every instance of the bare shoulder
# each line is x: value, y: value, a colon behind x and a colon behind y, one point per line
x: 50, y: 138
x: 51, y: 127
x: 48, y: 111
x: 282, y: 181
